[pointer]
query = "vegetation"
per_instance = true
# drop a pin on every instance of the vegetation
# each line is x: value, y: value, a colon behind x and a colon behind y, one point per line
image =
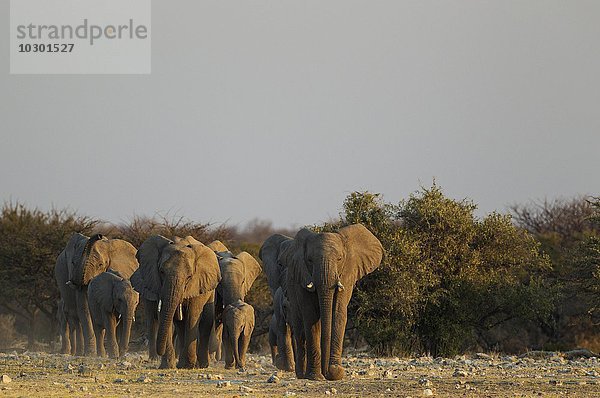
x: 450, y: 281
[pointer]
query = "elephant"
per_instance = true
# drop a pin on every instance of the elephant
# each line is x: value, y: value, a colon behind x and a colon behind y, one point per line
x: 238, y: 273
x: 112, y: 300
x: 182, y: 275
x: 280, y: 340
x: 68, y: 318
x: 322, y: 269
x: 88, y: 258
x: 280, y: 334
x: 238, y: 324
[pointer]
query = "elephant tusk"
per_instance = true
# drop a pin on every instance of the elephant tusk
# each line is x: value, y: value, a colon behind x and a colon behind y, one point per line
x: 159, y: 305
x: 179, y: 312
x: 339, y: 285
x: 310, y: 285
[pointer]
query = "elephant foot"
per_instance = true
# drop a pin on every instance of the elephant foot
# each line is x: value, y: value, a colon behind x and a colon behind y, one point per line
x: 314, y: 376
x: 228, y: 366
x: 336, y: 372
x: 166, y: 363
x: 153, y: 357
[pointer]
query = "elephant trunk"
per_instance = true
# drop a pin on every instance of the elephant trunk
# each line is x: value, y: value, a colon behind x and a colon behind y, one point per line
x: 171, y: 297
x: 326, y: 309
x: 125, y: 334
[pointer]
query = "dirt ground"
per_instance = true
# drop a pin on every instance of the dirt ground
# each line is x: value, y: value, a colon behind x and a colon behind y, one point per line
x: 34, y: 374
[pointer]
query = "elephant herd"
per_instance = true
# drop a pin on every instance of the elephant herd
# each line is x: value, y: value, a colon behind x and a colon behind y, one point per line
x: 193, y: 297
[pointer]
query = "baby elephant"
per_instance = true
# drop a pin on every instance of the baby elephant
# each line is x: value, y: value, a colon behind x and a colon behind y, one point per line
x: 112, y: 297
x: 238, y: 324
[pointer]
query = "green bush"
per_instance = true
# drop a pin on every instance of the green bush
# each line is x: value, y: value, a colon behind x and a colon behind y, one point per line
x: 447, y: 277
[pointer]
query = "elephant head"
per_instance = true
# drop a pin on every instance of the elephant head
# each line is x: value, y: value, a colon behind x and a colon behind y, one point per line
x: 238, y: 273
x: 330, y: 264
x: 269, y: 254
x: 172, y: 272
x: 101, y: 254
x: 125, y: 302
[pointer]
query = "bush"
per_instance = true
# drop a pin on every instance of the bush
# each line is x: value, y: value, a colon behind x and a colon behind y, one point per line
x: 447, y: 278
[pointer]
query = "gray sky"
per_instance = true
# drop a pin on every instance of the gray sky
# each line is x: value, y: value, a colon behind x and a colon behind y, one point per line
x: 279, y: 109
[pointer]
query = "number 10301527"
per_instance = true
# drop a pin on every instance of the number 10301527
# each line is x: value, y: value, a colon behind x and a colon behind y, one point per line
x: 46, y: 48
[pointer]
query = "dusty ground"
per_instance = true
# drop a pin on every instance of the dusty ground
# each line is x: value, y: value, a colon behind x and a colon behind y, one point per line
x: 51, y: 375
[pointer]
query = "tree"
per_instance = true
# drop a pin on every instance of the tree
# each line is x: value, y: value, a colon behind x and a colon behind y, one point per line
x: 30, y: 242
x: 447, y: 279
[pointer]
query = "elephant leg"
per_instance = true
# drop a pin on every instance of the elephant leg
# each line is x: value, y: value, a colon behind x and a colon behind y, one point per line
x: 150, y: 315
x: 99, y: 332
x: 273, y: 339
x: 300, y: 355
x: 65, y: 338
x: 205, y: 324
x: 78, y: 338
x: 73, y: 329
x: 312, y: 332
x: 188, y: 348
x: 229, y: 359
x: 244, y: 343
x: 340, y: 311
x: 111, y: 335
x: 89, y: 340
x: 219, y: 333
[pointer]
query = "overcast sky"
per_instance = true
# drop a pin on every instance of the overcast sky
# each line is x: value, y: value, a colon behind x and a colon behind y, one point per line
x: 279, y: 109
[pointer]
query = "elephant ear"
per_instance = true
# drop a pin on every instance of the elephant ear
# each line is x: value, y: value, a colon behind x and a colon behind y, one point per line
x: 146, y: 280
x: 74, y: 252
x: 217, y: 246
x: 251, y: 270
x: 269, y: 253
x: 207, y: 273
x: 292, y: 256
x: 122, y: 257
x: 364, y: 252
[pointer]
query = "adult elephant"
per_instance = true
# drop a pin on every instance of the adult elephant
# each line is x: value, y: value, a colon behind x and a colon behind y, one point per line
x: 322, y: 271
x: 280, y: 336
x: 70, y: 327
x: 88, y: 258
x: 183, y: 276
x: 238, y: 273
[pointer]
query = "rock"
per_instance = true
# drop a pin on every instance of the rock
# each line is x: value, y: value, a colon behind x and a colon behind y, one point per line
x: 69, y: 368
x: 214, y: 377
x: 459, y: 373
x: 246, y: 389
x: 223, y: 384
x: 424, y: 382
x: 592, y: 373
x: 83, y: 388
x: 5, y: 379
x: 144, y: 379
x: 555, y: 382
x: 289, y: 394
x: 427, y: 392
x: 273, y: 379
x: 119, y: 381
x: 126, y: 364
x: 387, y: 374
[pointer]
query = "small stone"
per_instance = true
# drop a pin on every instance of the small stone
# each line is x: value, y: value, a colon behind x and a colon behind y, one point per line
x: 388, y: 374
x: 460, y: 373
x: 83, y: 388
x: 69, y: 368
x: 144, y: 379
x: 333, y: 390
x: 125, y: 364
x: 289, y: 394
x: 273, y: 379
x: 223, y: 384
x: 424, y: 382
x: 119, y: 381
x: 215, y: 377
x: 427, y: 392
x: 246, y: 389
x: 5, y: 379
